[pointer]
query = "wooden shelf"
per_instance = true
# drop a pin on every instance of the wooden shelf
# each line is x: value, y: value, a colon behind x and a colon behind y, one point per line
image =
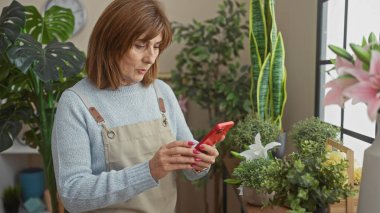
x: 19, y: 148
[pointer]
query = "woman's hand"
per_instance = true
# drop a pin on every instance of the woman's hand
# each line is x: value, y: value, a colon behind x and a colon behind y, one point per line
x: 176, y: 155
x: 205, y: 158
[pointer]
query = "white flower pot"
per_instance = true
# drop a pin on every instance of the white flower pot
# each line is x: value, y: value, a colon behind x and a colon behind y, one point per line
x: 369, y: 193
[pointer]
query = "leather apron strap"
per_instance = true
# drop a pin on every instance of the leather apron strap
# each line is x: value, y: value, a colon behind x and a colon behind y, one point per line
x: 136, y: 143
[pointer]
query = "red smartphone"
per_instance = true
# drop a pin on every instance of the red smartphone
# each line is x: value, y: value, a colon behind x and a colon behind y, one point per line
x: 216, y: 134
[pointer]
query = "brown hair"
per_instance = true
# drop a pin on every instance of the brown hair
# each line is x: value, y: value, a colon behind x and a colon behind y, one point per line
x: 119, y: 26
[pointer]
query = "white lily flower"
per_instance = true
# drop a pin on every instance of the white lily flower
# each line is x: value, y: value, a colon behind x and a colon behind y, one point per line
x: 257, y: 150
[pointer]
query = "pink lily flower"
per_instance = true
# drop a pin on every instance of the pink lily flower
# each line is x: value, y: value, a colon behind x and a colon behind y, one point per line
x: 349, y: 75
x: 368, y: 88
x: 335, y: 95
x: 363, y: 92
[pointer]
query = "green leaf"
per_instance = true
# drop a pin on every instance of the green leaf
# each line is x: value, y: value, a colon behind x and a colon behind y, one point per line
x: 237, y: 155
x: 277, y: 78
x: 232, y: 181
x: 12, y: 20
x: 364, y: 42
x: 372, y: 38
x: 200, y: 52
x: 28, y: 55
x: 272, y: 25
x: 257, y: 26
x: 57, y: 24
x: 9, y: 129
x: 341, y: 53
x: 363, y: 54
x: 263, y: 88
x: 230, y: 96
x: 255, y: 70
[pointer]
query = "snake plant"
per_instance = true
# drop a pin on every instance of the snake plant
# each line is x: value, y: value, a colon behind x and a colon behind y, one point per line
x: 268, y: 73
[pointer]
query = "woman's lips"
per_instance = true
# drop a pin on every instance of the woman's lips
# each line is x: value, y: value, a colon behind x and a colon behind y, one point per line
x: 141, y: 71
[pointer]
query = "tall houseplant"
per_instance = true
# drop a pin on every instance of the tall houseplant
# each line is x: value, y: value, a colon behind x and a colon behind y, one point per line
x: 268, y: 73
x: 208, y: 69
x: 36, y: 65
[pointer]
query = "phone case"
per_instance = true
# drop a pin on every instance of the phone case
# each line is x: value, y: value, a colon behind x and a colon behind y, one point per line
x: 216, y: 134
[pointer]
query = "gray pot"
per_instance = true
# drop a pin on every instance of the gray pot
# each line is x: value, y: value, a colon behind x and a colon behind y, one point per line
x: 280, y: 150
x: 255, y: 198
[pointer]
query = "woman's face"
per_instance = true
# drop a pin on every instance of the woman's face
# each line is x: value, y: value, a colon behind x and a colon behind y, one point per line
x: 138, y: 60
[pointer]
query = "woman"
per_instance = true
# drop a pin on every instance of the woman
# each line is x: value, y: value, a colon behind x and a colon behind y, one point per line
x: 119, y: 135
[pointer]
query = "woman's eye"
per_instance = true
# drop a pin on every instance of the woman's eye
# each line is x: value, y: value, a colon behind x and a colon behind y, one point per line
x: 139, y: 46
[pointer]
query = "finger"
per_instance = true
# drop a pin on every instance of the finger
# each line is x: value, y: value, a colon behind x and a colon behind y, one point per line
x: 202, y: 164
x: 179, y: 144
x: 205, y: 159
x: 185, y: 151
x: 179, y: 159
x: 210, y: 150
x: 173, y: 167
x: 199, y: 168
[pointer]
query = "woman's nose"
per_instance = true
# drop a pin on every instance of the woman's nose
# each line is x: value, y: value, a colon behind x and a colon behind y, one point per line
x: 150, y: 56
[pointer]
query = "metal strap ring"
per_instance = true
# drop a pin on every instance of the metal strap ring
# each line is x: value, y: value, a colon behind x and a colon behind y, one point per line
x: 110, y: 134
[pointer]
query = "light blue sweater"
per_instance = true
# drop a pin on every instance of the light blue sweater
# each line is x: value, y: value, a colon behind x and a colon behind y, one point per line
x: 77, y: 145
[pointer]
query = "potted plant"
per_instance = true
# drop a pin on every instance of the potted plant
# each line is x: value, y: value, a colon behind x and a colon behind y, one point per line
x: 11, y: 199
x: 208, y: 69
x: 251, y: 172
x: 267, y: 72
x: 357, y: 79
x: 313, y: 129
x: 36, y: 66
x: 243, y: 134
x: 309, y: 179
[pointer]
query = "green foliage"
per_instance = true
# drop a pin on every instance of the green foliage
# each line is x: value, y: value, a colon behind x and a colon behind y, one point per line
x: 362, y: 51
x: 243, y: 134
x: 36, y: 66
x: 306, y: 180
x: 313, y: 129
x: 208, y: 68
x: 268, y: 73
x: 11, y: 194
x: 252, y: 173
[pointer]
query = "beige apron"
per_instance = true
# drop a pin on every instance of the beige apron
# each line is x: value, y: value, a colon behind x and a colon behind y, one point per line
x: 131, y: 144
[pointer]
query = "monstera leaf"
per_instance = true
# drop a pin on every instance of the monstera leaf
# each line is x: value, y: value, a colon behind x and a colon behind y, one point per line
x: 57, y: 24
x: 10, y: 124
x: 12, y: 20
x: 8, y: 131
x: 49, y: 63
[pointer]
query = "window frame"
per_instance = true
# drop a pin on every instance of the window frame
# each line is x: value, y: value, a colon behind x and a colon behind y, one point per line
x: 320, y: 77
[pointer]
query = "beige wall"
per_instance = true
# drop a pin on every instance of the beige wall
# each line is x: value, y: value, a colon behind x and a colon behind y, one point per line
x: 297, y: 20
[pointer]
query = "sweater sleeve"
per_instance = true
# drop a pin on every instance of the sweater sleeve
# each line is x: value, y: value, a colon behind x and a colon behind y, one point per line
x: 80, y: 189
x: 181, y: 129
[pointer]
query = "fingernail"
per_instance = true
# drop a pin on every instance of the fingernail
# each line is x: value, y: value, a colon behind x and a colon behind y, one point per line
x: 193, y: 165
x: 198, y: 159
x: 190, y: 143
x: 196, y: 151
x: 201, y: 147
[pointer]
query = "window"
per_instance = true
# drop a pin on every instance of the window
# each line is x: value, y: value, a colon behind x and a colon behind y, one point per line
x: 341, y: 22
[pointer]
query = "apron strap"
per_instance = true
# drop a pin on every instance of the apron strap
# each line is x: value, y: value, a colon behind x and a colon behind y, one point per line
x: 159, y: 98
x: 93, y: 111
x: 161, y: 104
